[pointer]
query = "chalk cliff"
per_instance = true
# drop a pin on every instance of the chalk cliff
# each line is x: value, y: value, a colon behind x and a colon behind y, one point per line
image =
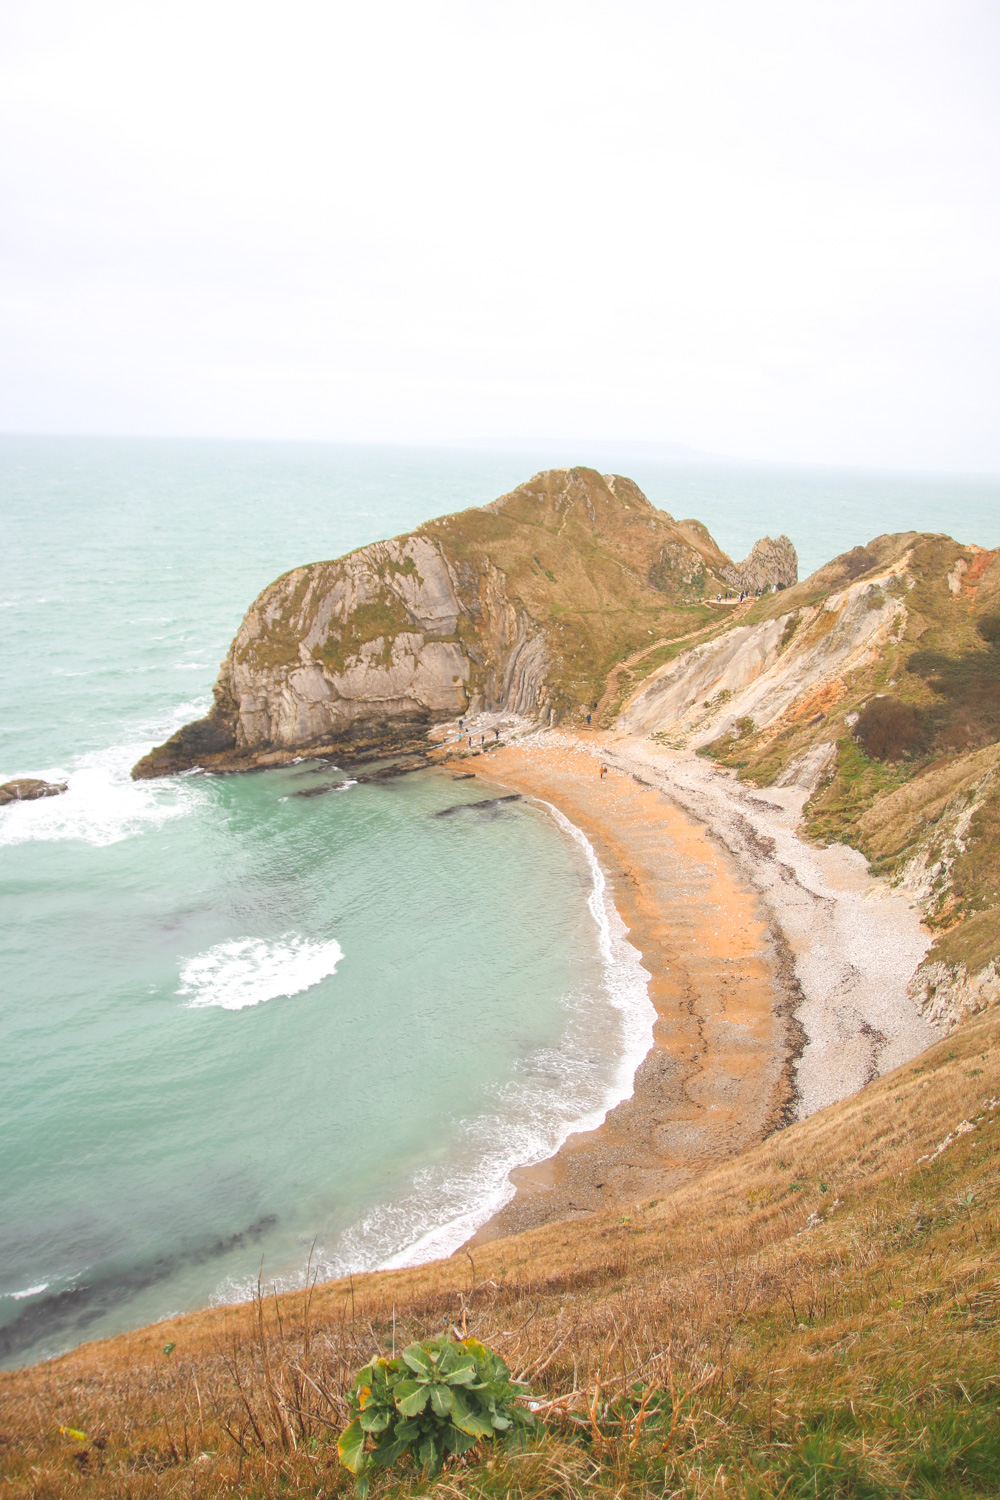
x: 520, y: 605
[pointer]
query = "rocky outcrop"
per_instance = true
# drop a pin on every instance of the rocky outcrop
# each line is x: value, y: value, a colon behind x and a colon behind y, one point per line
x: 757, y: 674
x: 773, y: 564
x: 911, y: 621
x: 28, y: 789
x: 521, y: 605
x: 947, y: 995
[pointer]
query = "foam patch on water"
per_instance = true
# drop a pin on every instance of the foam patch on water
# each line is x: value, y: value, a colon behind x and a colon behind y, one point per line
x: 103, y: 805
x: 249, y: 971
x: 554, y: 1093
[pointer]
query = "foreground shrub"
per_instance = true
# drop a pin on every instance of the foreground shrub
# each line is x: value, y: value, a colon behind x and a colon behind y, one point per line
x: 888, y: 728
x: 437, y: 1399
x: 989, y: 628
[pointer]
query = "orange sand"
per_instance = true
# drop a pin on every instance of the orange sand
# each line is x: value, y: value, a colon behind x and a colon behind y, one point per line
x: 717, y: 1079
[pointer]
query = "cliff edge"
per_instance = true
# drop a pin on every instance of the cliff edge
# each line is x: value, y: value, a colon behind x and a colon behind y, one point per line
x: 522, y: 605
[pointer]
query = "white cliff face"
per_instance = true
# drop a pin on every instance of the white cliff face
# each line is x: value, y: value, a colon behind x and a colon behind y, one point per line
x: 382, y: 637
x: 760, y: 671
x: 519, y: 606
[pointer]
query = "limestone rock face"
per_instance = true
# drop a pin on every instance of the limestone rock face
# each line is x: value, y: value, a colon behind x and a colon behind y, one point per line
x: 765, y: 671
x: 773, y: 563
x: 28, y: 789
x: 520, y: 605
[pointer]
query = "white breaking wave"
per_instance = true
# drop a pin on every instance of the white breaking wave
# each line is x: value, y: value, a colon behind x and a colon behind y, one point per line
x: 103, y: 804
x: 248, y: 971
x: 29, y: 1291
x: 548, y: 1118
x: 550, y: 1098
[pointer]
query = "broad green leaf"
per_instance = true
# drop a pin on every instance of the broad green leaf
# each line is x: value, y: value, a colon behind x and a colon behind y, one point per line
x: 442, y: 1400
x: 473, y: 1422
x: 376, y: 1419
x: 459, y: 1442
x: 388, y: 1450
x: 351, y: 1446
x: 429, y: 1454
x: 407, y: 1387
x: 463, y: 1372
x: 419, y: 1360
x: 413, y: 1403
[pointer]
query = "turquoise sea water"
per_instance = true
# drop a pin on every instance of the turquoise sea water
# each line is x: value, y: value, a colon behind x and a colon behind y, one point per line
x: 239, y: 1023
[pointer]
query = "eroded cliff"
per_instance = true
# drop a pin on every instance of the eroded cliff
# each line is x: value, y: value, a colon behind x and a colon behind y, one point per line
x: 520, y: 605
x: 874, y: 686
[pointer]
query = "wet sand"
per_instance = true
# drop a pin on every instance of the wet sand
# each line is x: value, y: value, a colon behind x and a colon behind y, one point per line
x: 719, y: 1075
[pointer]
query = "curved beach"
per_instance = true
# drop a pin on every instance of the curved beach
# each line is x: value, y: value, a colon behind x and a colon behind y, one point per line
x: 750, y: 938
x: 718, y: 1076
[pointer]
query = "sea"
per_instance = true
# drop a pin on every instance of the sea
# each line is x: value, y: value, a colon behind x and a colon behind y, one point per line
x: 249, y: 1033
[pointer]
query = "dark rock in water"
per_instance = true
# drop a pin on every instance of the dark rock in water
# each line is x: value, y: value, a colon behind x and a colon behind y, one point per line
x: 379, y: 777
x: 465, y: 776
x: 487, y: 805
x: 65, y: 1313
x: 28, y: 789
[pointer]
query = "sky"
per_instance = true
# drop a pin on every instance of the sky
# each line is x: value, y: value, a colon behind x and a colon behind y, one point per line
x: 768, y: 229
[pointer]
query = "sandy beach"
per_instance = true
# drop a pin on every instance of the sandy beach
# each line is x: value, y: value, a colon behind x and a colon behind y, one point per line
x: 718, y: 1077
x: 778, y: 971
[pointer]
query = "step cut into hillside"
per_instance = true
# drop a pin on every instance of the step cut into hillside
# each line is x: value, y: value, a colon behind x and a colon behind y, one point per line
x: 522, y: 605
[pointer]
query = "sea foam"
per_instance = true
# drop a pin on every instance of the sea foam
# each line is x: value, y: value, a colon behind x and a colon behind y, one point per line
x: 102, y: 804
x: 555, y: 1093
x: 248, y: 971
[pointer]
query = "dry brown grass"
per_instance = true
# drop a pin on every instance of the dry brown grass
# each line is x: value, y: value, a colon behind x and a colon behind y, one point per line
x: 818, y: 1316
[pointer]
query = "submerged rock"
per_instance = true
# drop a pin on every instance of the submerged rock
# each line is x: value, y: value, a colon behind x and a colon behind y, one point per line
x: 29, y: 789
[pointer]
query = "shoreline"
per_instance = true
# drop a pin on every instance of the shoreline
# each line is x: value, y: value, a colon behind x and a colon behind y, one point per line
x: 718, y: 1075
x: 778, y: 970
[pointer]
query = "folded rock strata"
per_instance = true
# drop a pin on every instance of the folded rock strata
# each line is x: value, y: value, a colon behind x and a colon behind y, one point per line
x: 521, y: 605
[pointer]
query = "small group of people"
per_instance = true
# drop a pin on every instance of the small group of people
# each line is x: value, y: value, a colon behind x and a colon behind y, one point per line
x: 472, y: 737
x: 743, y: 594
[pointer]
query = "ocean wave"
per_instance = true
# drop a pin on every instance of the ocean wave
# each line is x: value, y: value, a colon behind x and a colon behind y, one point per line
x: 249, y: 971
x: 29, y: 1291
x: 103, y: 804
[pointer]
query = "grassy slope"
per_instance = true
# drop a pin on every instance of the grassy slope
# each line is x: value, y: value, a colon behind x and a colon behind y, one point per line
x: 817, y: 1318
x: 600, y: 572
x: 942, y: 666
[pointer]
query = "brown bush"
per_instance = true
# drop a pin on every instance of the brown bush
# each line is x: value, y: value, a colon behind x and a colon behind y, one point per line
x: 989, y: 628
x: 888, y: 728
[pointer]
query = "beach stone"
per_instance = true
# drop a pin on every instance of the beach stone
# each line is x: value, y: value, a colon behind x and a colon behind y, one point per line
x: 29, y: 789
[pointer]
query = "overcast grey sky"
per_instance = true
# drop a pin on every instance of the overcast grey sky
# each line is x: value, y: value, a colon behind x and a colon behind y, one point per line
x: 766, y: 228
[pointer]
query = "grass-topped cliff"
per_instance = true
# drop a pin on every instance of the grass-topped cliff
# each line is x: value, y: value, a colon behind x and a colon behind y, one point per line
x: 816, y: 1318
x: 524, y: 605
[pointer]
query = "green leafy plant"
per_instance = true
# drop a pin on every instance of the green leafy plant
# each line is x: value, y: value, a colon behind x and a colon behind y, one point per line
x: 437, y: 1399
